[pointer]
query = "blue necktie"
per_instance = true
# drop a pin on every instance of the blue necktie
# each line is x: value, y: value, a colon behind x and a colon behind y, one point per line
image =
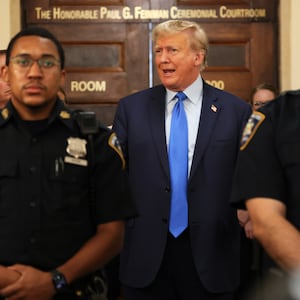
x: 178, y: 161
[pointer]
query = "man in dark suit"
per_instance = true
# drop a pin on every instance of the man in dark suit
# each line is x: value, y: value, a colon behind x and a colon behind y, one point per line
x: 201, y: 260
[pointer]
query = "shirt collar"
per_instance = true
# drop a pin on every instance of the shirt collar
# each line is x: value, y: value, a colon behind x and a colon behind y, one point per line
x: 192, y: 91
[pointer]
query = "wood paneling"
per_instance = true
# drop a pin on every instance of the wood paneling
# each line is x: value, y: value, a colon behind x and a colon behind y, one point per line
x: 107, y: 44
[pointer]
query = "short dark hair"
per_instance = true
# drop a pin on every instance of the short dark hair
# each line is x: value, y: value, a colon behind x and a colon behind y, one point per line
x: 3, y: 52
x: 41, y: 32
x: 264, y: 86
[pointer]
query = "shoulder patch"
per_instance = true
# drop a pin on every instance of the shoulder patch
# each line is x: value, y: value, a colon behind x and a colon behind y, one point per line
x: 113, y: 142
x: 251, y: 127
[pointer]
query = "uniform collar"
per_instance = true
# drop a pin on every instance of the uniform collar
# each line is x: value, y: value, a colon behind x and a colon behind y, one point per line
x: 59, y: 112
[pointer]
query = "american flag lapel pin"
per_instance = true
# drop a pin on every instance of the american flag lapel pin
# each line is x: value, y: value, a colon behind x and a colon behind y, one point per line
x: 213, y: 108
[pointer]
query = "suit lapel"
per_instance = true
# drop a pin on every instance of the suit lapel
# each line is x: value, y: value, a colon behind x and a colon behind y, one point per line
x: 157, y: 124
x: 211, y: 108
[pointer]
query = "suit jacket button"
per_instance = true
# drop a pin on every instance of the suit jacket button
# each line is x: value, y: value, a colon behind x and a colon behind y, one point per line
x: 167, y: 189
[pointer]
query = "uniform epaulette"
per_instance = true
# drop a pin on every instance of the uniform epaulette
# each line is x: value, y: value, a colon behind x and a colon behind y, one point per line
x: 291, y: 92
x: 103, y: 127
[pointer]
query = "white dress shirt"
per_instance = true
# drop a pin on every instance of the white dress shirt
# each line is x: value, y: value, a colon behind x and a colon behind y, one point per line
x: 192, y: 106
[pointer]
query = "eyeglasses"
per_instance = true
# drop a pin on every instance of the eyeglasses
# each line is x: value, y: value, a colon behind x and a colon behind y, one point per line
x: 26, y: 62
x: 259, y: 104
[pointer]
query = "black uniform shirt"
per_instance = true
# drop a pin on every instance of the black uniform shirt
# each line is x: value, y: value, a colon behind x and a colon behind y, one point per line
x: 269, y: 160
x: 45, y: 209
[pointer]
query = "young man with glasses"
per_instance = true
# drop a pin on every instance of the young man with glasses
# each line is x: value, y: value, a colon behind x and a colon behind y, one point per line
x: 53, y: 233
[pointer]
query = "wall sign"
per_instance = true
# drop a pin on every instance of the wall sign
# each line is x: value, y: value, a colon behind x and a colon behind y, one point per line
x: 139, y: 13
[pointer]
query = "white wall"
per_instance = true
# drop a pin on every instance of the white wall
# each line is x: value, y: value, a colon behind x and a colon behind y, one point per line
x: 289, y: 21
x: 10, y: 20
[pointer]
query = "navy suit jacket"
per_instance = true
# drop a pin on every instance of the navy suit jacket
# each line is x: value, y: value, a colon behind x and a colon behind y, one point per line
x: 213, y: 225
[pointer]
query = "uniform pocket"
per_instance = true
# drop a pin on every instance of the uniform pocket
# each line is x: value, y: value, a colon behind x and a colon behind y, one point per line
x: 8, y: 188
x: 69, y: 185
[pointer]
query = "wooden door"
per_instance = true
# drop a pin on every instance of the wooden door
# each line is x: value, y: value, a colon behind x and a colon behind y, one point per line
x: 108, y: 44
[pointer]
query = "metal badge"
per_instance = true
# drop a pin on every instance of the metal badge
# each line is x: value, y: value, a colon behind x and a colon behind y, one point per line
x: 65, y: 115
x: 5, y: 113
x: 77, y: 149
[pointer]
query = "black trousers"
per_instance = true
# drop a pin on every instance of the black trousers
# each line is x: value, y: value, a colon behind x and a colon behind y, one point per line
x: 177, y: 278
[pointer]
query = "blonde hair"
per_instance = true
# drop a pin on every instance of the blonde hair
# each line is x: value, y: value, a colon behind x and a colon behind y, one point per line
x: 198, y: 37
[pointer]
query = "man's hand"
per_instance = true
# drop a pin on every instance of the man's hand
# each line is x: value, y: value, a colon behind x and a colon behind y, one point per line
x: 7, y: 276
x: 244, y: 220
x: 31, y: 284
